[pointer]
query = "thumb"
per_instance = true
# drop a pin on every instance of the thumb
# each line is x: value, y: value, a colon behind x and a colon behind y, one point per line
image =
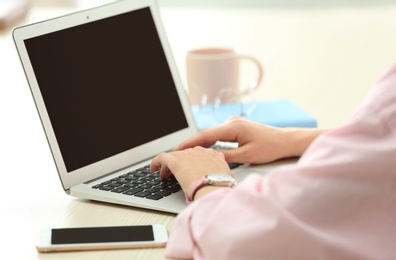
x: 233, y: 155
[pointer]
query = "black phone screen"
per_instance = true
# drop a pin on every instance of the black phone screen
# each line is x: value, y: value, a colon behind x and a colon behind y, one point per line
x: 102, y: 234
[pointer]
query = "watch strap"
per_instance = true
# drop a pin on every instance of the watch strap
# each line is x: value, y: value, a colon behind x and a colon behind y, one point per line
x: 205, y: 180
x: 197, y: 185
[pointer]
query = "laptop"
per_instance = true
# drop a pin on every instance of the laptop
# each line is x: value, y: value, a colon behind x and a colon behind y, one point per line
x: 109, y: 97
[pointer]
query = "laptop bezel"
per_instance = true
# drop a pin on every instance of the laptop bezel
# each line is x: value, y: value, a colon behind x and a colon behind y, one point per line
x: 122, y: 160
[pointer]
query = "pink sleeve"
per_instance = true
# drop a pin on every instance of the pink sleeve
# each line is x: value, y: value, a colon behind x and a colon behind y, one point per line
x: 337, y: 202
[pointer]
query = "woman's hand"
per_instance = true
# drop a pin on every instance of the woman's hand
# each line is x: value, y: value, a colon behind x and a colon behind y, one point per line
x: 257, y: 143
x: 190, y: 165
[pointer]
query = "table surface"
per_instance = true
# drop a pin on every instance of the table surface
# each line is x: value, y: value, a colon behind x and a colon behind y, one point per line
x: 323, y: 58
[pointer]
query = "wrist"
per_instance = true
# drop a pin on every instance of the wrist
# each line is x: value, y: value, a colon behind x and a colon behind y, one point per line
x: 202, y: 192
x: 301, y: 138
x: 215, y: 180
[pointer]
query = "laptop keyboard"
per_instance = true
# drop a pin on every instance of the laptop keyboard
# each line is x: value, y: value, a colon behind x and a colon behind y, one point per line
x: 141, y: 183
x: 144, y: 184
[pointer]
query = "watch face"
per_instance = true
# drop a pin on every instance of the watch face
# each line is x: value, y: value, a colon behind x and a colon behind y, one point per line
x: 220, y: 179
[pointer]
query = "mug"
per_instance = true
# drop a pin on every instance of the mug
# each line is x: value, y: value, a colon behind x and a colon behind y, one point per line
x: 214, y: 73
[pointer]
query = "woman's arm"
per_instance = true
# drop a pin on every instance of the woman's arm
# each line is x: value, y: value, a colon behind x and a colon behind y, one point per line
x: 257, y: 143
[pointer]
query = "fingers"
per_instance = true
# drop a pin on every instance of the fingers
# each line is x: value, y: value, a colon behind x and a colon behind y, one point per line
x: 187, y: 161
x: 225, y: 132
x: 161, y: 161
x: 237, y: 155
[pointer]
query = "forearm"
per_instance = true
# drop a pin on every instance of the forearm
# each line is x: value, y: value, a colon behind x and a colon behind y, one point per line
x: 293, y: 142
x: 301, y: 138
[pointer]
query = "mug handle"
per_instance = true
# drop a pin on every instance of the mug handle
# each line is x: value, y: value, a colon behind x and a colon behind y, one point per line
x: 260, y: 72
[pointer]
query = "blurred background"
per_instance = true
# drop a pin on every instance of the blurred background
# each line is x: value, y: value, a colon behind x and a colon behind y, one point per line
x: 323, y: 55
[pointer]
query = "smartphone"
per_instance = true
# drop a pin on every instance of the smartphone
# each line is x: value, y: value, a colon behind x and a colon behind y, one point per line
x: 100, y: 238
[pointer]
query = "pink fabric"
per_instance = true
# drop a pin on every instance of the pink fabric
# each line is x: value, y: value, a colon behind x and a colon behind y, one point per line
x: 337, y: 202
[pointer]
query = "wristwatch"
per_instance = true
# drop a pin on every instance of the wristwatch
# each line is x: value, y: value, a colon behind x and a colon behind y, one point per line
x: 215, y: 179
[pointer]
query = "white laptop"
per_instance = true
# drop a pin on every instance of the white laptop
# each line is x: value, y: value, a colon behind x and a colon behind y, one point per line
x: 110, y: 98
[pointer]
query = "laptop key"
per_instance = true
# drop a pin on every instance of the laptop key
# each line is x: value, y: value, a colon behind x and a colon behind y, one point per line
x: 172, y: 182
x: 106, y: 188
x: 162, y: 186
x: 142, y: 194
x: 114, y: 184
x: 131, y: 178
x: 139, y: 174
x: 131, y: 185
x: 138, y: 181
x: 147, y: 178
x: 120, y: 189
x: 173, y: 189
x: 133, y: 191
x: 154, y: 197
x: 163, y: 193
x: 123, y: 181
x: 153, y: 183
x: 145, y: 186
x: 153, y: 190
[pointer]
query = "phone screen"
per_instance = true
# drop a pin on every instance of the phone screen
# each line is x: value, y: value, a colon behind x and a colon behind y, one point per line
x: 102, y: 234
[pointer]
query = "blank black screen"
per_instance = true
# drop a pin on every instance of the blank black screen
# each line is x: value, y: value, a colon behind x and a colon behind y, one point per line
x: 102, y: 234
x: 107, y: 86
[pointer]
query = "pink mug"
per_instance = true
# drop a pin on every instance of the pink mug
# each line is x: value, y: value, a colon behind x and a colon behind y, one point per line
x: 212, y: 71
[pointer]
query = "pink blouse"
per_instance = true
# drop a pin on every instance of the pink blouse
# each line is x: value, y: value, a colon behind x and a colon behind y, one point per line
x: 337, y: 202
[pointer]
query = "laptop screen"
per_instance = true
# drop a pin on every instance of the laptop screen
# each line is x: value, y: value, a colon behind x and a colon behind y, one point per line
x: 106, y: 90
